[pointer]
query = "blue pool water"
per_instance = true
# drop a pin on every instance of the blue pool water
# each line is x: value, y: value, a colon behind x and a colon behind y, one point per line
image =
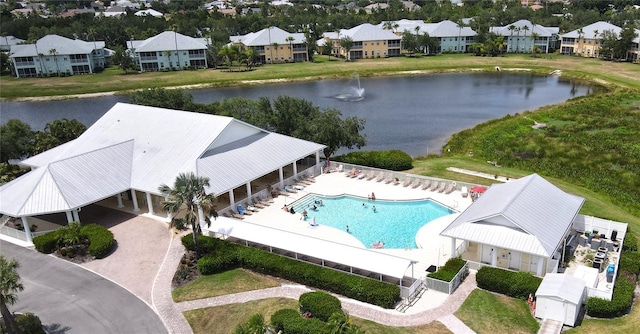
x: 395, y: 222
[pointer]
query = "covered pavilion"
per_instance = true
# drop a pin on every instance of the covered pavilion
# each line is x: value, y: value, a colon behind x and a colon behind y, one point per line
x: 132, y: 150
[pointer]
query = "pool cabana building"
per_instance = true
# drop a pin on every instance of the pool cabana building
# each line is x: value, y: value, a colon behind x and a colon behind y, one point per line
x: 520, y: 225
x: 131, y: 150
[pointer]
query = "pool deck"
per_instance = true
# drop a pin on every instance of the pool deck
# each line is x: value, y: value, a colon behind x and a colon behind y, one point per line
x: 435, y: 248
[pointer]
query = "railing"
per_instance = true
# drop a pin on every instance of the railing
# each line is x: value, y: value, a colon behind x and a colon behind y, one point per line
x: 409, y: 293
x: 448, y: 287
x: 14, y: 233
x: 604, y: 294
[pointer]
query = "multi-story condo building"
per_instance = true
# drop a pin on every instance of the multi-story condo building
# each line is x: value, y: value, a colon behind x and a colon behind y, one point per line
x: 522, y: 36
x: 57, y: 55
x: 452, y: 37
x: 586, y: 41
x: 274, y: 45
x: 369, y: 41
x: 168, y: 51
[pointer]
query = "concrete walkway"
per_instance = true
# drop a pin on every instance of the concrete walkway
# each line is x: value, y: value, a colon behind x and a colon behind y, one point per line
x: 171, y: 312
x: 550, y: 327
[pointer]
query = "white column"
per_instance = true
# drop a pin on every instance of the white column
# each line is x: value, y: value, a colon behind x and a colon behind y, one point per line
x: 281, y: 176
x: 295, y: 169
x: 540, y: 266
x: 76, y: 216
x: 69, y: 216
x: 249, y: 192
x: 494, y: 256
x: 317, y: 157
x: 119, y: 197
x: 27, y: 229
x: 149, y: 203
x: 453, y: 247
x: 232, y: 199
x: 134, y: 199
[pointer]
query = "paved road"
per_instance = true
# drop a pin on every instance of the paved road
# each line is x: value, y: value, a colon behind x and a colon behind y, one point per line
x: 69, y: 299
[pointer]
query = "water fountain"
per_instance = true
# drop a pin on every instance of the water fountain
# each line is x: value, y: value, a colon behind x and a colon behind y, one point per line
x: 353, y: 92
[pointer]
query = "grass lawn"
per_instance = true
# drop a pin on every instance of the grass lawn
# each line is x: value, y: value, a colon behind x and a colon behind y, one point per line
x: 228, y: 282
x: 595, y: 204
x: 623, y: 325
x: 114, y: 79
x: 485, y: 312
x: 224, y: 319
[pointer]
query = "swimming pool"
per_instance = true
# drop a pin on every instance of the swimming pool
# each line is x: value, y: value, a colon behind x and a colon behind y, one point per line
x: 395, y: 223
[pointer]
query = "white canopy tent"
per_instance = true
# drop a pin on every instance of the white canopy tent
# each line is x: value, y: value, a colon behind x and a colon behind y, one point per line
x: 302, y: 245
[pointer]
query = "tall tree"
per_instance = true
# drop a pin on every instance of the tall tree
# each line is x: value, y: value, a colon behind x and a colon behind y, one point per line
x: 346, y: 43
x: 9, y: 285
x: 54, y: 52
x: 188, y: 197
x: 16, y: 140
x: 511, y: 29
x: 334, y: 132
x: 290, y: 40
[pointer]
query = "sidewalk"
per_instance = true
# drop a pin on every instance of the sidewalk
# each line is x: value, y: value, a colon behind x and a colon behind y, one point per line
x: 171, y: 312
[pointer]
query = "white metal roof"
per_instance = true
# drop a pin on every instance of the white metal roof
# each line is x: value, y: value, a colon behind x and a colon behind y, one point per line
x: 530, y: 215
x: 588, y: 274
x: 268, y: 36
x: 565, y: 287
x: 161, y: 143
x: 589, y: 31
x: 368, y: 32
x: 540, y: 30
x: 168, y: 40
x: 445, y: 28
x: 375, y: 262
x: 62, y: 45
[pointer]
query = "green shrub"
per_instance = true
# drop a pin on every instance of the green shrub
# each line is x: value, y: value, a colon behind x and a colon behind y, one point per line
x: 391, y: 160
x: 630, y: 243
x: 619, y: 305
x: 226, y: 254
x: 101, y: 241
x: 47, y: 243
x: 630, y: 262
x: 514, y: 284
x: 321, y: 305
x: 449, y: 270
x: 291, y: 322
x: 29, y: 323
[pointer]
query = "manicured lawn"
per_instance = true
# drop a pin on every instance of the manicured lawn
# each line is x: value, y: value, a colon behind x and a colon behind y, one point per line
x: 228, y: 282
x: 114, y: 79
x: 224, y: 319
x: 486, y: 312
x: 624, y: 325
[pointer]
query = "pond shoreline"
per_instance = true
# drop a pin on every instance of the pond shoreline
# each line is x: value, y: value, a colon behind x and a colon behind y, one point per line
x: 258, y: 82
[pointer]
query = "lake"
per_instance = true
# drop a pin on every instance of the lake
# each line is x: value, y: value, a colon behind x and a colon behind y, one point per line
x: 416, y: 114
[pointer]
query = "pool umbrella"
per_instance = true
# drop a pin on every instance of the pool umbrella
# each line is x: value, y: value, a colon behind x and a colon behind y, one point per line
x: 478, y: 189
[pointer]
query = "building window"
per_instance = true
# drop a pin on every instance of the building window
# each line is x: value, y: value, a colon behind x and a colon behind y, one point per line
x: 80, y: 69
x: 27, y: 72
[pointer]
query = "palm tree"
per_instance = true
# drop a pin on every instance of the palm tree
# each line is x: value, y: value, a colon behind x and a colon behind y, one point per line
x: 459, y: 24
x: 188, y: 195
x: 168, y: 54
x: 518, y: 39
x: 275, y: 46
x: 595, y: 43
x: 580, y: 35
x: 271, y: 50
x: 525, y: 28
x: 227, y: 53
x: 534, y: 36
x: 387, y: 25
x: 175, y: 38
x: 55, y: 58
x: 250, y: 56
x: 9, y: 285
x: 511, y: 29
x: 290, y: 40
x: 92, y: 33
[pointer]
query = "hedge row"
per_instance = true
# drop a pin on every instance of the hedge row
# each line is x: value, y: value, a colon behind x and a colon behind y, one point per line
x: 390, y: 160
x: 291, y: 322
x: 101, y: 240
x: 321, y: 305
x: 225, y: 255
x: 514, y: 284
x: 449, y: 270
x: 619, y: 305
x: 630, y: 243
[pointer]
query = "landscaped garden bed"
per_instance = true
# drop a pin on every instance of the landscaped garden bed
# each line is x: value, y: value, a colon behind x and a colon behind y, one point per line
x: 77, y: 243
